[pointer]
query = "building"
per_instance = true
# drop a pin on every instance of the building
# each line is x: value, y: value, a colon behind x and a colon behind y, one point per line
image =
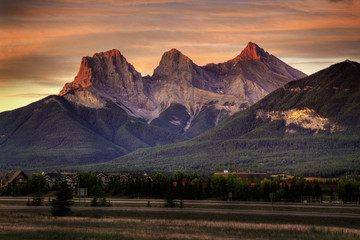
x: 104, y: 177
x: 118, y: 176
x: 52, y: 178
x: 16, y: 177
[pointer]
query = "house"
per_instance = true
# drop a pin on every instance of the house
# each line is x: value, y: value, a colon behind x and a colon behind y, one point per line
x: 17, y: 177
x: 104, y: 177
x: 71, y: 178
x: 124, y: 178
x: 52, y: 178
x: 118, y: 176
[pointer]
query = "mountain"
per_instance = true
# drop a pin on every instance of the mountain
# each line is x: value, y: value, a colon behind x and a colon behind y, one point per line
x: 310, y: 126
x: 108, y: 77
x: 180, y: 96
x: 55, y: 132
x: 110, y: 110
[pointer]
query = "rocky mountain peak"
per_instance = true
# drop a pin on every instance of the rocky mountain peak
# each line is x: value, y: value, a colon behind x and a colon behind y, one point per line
x: 173, y: 50
x: 173, y: 61
x: 110, y: 54
x: 114, y: 57
x: 94, y: 71
x: 107, y: 76
x: 251, y: 52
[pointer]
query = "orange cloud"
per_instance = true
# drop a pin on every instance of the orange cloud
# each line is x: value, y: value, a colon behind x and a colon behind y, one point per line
x: 43, y: 42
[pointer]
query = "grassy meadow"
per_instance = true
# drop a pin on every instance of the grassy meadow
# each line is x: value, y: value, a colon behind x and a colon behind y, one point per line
x: 99, y: 224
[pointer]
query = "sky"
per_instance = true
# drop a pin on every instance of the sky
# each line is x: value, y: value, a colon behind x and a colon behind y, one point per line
x: 42, y: 42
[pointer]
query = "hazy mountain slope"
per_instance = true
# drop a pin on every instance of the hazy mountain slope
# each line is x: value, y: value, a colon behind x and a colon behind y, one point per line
x: 53, y: 132
x: 308, y: 126
x: 46, y: 133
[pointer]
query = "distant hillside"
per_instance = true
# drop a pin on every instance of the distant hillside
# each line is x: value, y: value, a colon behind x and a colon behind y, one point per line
x: 310, y: 126
x: 54, y: 132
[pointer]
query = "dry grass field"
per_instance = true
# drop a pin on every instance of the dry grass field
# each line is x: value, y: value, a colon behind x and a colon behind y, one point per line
x: 98, y: 224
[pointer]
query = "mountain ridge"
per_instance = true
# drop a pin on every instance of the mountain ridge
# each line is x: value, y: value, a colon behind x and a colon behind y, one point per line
x: 312, y: 127
x: 177, y: 80
x: 110, y: 110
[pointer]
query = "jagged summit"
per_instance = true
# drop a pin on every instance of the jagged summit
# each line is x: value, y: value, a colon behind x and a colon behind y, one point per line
x: 174, y: 54
x: 173, y: 61
x: 107, y: 76
x: 251, y: 52
x: 173, y: 50
x: 114, y: 53
x: 92, y: 69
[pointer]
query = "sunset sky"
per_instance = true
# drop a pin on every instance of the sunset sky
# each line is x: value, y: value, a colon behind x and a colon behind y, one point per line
x: 42, y: 42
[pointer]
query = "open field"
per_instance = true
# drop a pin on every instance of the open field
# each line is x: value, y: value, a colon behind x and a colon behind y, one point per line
x: 165, y: 223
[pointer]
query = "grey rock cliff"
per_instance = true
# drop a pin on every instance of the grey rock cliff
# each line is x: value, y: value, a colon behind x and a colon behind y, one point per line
x: 215, y: 90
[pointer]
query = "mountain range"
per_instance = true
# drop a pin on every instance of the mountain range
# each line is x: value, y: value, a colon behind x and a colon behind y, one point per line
x: 180, y: 96
x: 110, y: 117
x: 110, y: 110
x: 310, y: 126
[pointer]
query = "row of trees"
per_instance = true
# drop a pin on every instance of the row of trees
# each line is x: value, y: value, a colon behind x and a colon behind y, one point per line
x: 35, y: 186
x: 349, y: 190
x: 193, y: 186
x: 38, y: 186
x: 183, y: 186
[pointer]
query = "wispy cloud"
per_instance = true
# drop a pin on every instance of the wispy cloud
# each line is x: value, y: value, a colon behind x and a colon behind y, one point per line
x: 42, y: 42
x: 29, y: 95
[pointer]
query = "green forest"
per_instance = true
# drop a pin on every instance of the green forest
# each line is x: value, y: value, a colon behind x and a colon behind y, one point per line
x: 192, y: 186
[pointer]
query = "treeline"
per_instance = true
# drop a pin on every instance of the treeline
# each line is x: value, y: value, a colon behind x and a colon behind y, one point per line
x: 349, y: 190
x: 193, y: 186
x: 35, y: 185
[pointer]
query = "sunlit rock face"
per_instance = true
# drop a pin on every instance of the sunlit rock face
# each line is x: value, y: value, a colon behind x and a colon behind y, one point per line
x: 107, y: 76
x: 251, y: 52
x: 208, y: 93
x: 304, y: 118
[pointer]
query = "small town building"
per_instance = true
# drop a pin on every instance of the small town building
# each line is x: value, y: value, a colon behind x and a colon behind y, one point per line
x: 104, y: 177
x: 52, y: 178
x: 118, y: 176
x: 16, y: 177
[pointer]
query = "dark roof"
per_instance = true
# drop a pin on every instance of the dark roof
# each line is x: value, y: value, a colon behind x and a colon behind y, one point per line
x: 9, y: 177
x: 103, y: 173
x: 54, y: 175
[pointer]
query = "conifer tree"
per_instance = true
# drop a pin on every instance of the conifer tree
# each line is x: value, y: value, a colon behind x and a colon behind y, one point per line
x: 61, y: 205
